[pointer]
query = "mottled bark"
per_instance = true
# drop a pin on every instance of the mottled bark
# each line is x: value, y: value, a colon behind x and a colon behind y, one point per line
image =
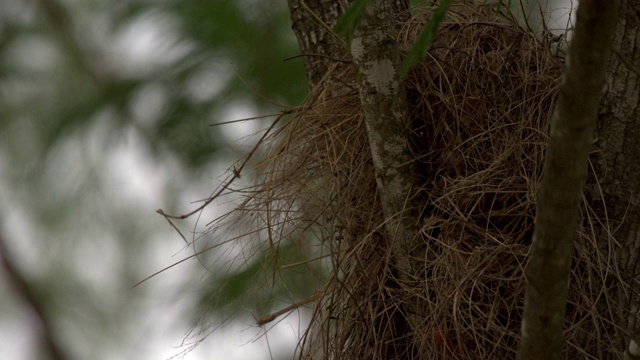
x: 377, y: 61
x: 564, y: 174
x: 616, y: 194
x: 313, y: 21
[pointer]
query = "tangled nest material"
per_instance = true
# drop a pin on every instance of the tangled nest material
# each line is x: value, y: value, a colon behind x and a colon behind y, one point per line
x: 480, y: 106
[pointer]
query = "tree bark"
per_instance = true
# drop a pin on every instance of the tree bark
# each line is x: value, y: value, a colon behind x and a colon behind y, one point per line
x: 312, y: 23
x: 616, y: 193
x: 377, y: 59
x: 564, y: 174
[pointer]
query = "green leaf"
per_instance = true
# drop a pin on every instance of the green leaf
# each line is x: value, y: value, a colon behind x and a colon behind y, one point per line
x: 349, y: 20
x: 419, y: 50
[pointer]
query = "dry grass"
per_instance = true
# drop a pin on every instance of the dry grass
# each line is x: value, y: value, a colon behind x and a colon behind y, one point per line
x: 479, y: 116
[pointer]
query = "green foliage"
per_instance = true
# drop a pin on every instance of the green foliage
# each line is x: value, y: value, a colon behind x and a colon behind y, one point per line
x: 266, y: 280
x: 70, y: 100
x: 253, y: 45
x: 257, y: 40
x: 419, y: 50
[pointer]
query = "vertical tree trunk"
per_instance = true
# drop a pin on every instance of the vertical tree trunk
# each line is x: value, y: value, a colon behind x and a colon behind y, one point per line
x: 312, y: 23
x: 565, y: 169
x: 376, y: 57
x: 616, y: 193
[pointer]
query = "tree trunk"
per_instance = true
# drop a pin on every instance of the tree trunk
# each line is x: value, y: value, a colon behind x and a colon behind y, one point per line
x: 565, y: 169
x: 616, y: 193
x: 376, y: 57
x: 376, y: 61
x: 313, y: 22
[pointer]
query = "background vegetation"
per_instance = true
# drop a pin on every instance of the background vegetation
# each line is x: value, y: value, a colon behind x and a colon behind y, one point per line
x: 105, y: 114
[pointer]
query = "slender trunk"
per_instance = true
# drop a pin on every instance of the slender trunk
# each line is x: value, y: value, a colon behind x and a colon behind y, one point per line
x: 376, y: 58
x: 565, y: 169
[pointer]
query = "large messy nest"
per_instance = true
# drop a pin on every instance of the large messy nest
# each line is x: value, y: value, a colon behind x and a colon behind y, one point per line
x: 480, y: 106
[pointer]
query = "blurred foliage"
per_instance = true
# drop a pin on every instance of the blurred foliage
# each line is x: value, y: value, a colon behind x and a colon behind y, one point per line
x: 208, y: 40
x: 263, y: 283
x: 85, y: 85
x: 257, y: 37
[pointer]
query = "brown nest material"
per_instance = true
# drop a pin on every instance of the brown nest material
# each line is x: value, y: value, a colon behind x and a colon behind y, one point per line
x: 479, y: 107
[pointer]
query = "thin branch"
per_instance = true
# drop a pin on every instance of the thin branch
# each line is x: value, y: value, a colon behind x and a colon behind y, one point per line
x: 269, y: 318
x: 235, y: 174
x: 317, y: 55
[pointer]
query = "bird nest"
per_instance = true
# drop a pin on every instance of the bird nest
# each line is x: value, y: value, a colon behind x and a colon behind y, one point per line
x: 479, y: 114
